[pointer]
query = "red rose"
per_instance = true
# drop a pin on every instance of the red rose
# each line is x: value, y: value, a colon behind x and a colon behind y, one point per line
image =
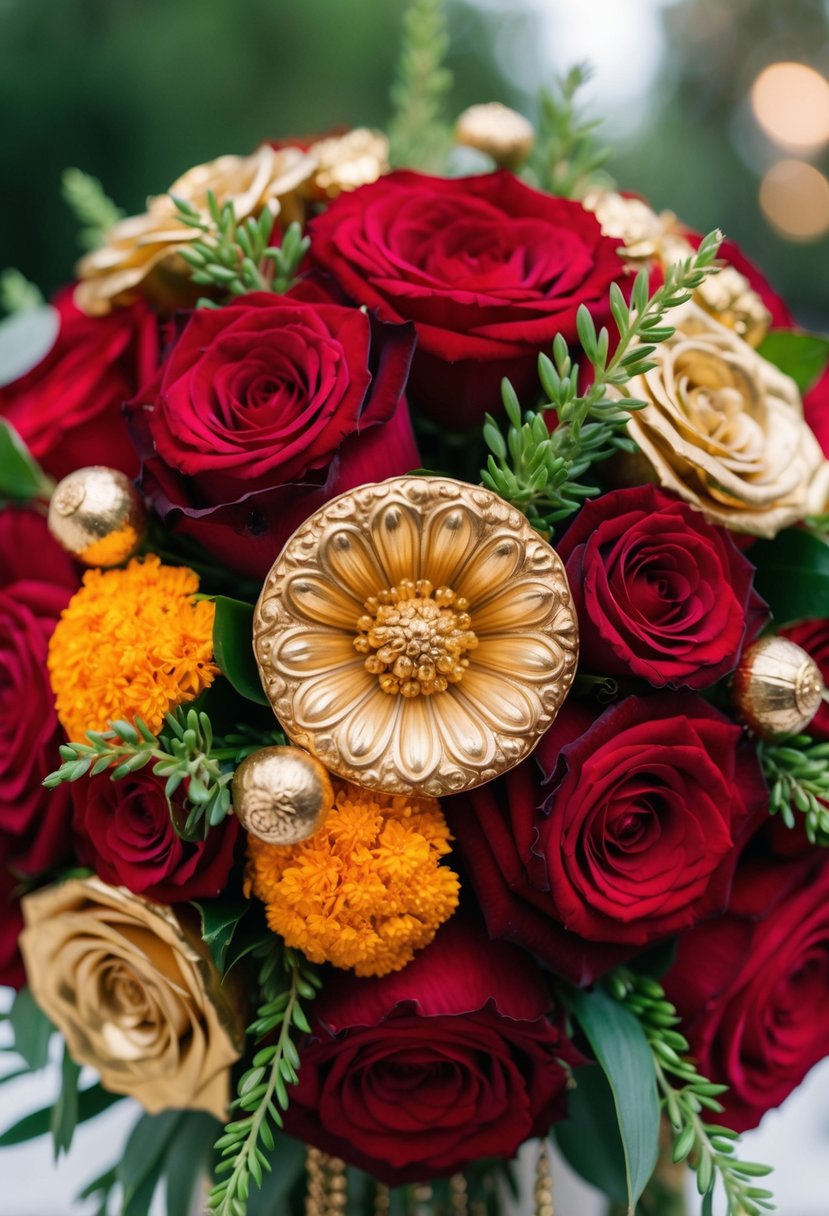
x: 813, y: 637
x: 36, y: 581
x: 12, y: 974
x: 618, y: 832
x: 125, y: 833
x: 660, y: 594
x: 68, y: 408
x: 487, y: 268
x: 753, y: 986
x: 421, y: 1072
x: 266, y: 409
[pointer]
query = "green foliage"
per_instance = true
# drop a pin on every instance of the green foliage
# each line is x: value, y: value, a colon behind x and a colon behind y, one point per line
x: 233, y: 647
x: 687, y: 1097
x: 589, y: 1138
x: 232, y: 256
x: 94, y: 211
x: 17, y: 294
x: 566, y: 154
x: 66, y: 1111
x: 21, y: 477
x: 539, y: 471
x: 31, y: 1030
x: 797, y: 770
x: 619, y: 1043
x: 286, y: 981
x: 418, y: 134
x: 219, y: 922
x: 184, y: 754
x: 793, y: 575
x: 89, y: 1103
x: 802, y: 356
x: 141, y: 1166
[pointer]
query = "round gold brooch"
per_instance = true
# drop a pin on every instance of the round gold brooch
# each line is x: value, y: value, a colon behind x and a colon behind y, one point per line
x: 417, y: 636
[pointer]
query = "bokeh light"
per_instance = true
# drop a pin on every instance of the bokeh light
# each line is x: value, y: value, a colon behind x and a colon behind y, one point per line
x: 791, y: 104
x: 794, y: 197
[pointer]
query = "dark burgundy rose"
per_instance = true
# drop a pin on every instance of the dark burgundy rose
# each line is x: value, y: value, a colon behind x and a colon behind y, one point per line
x: 124, y: 831
x: 12, y: 974
x: 752, y: 986
x: 36, y: 581
x: 660, y: 594
x: 421, y: 1072
x: 619, y: 831
x: 68, y: 409
x: 266, y: 409
x: 813, y: 637
x: 487, y: 268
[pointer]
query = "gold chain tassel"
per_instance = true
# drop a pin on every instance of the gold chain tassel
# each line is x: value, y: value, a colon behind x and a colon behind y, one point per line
x: 460, y: 1199
x: 382, y: 1200
x: 327, y: 1189
x: 543, y: 1183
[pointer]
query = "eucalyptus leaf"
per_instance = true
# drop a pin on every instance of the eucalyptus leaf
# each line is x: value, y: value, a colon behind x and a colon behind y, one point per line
x: 21, y: 477
x: 142, y: 1164
x: 233, y: 647
x: 188, y: 1160
x: 26, y: 338
x: 802, y: 356
x: 32, y: 1030
x: 621, y: 1048
x: 793, y: 575
x: 589, y: 1137
x: 66, y: 1111
x: 91, y: 1102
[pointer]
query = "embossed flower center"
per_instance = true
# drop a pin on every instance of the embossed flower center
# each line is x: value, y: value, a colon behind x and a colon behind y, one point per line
x: 416, y: 638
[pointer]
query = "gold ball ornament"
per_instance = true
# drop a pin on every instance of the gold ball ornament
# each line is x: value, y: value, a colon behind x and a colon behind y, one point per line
x: 282, y: 795
x: 98, y: 516
x: 777, y: 687
x: 498, y: 131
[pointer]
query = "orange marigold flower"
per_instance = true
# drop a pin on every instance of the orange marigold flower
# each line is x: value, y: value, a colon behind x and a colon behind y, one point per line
x: 131, y: 644
x: 367, y: 889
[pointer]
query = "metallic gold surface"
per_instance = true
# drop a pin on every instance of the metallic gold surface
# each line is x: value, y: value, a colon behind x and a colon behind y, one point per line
x: 777, y: 687
x: 543, y: 1191
x: 135, y: 994
x: 282, y: 795
x: 498, y: 131
x: 645, y: 235
x: 344, y: 162
x: 368, y: 543
x: 98, y: 516
x: 730, y: 299
x: 141, y: 253
x: 724, y: 429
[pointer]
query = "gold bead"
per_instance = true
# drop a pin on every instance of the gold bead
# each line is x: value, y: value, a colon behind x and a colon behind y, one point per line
x: 777, y: 687
x: 282, y: 795
x: 98, y: 516
x: 498, y: 131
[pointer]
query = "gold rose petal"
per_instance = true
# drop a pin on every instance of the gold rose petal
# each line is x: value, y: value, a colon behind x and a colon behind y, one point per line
x: 456, y: 661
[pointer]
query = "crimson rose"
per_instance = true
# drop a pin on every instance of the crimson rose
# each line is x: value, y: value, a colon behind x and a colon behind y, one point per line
x: 423, y: 1071
x: 12, y: 974
x: 67, y: 409
x: 263, y: 411
x: 125, y: 833
x: 813, y: 636
x: 753, y: 986
x: 619, y: 830
x: 487, y: 268
x: 36, y: 581
x: 660, y: 594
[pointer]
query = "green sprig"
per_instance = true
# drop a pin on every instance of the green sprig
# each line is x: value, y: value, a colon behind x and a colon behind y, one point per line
x: 566, y: 154
x: 538, y: 471
x: 286, y: 981
x: 797, y: 770
x: 92, y: 208
x: 17, y: 293
x: 419, y: 137
x: 234, y: 256
x: 687, y: 1097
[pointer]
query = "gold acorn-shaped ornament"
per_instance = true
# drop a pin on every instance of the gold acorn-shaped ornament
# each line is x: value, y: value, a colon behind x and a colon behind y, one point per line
x: 777, y: 687
x: 98, y: 516
x: 500, y: 132
x: 282, y: 795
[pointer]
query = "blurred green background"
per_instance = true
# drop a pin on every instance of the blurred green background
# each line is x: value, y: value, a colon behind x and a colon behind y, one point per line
x: 135, y: 91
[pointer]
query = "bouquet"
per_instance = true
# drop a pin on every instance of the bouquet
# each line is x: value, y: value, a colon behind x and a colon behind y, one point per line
x: 414, y: 616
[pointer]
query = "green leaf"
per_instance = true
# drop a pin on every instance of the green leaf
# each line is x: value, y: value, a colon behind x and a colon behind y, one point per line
x: 142, y: 1164
x: 621, y: 1048
x: 219, y: 920
x: 793, y: 575
x: 31, y: 1029
x: 25, y: 339
x: 802, y: 356
x: 21, y: 477
x: 288, y: 1161
x: 91, y: 1102
x: 66, y: 1110
x: 233, y: 647
x: 589, y: 1137
x: 188, y: 1161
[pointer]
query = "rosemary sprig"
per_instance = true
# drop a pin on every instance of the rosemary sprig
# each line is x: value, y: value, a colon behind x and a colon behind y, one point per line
x: 797, y: 770
x: 539, y: 471
x: 418, y: 135
x: 566, y: 154
x: 92, y: 208
x: 686, y: 1096
x: 234, y: 257
x: 17, y: 293
x: 286, y: 981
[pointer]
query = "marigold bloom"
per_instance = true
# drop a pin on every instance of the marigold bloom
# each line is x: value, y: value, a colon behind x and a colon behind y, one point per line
x: 367, y: 889
x: 131, y: 643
